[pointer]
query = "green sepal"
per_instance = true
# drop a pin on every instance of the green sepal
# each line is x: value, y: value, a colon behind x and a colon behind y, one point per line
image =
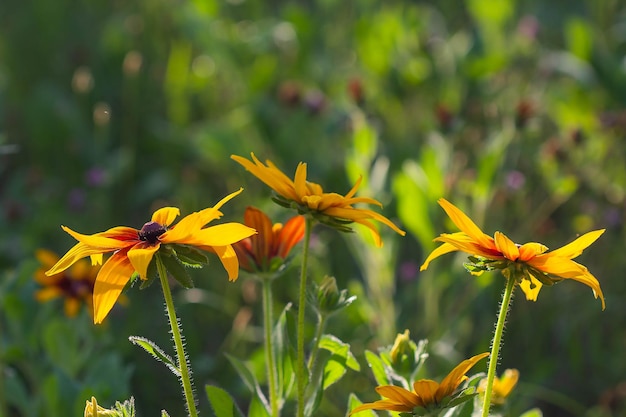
x: 156, y: 352
x: 190, y: 256
x: 151, y: 275
x: 177, y: 270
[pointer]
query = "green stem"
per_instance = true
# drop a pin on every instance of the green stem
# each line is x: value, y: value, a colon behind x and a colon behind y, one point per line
x: 321, y: 324
x: 3, y: 403
x: 497, y: 341
x: 181, y: 356
x: 269, y: 349
x: 301, y: 369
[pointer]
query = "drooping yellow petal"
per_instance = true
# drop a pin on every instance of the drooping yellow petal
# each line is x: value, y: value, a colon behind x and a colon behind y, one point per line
x: 465, y: 224
x: 441, y: 250
x: 456, y: 376
x: 220, y: 235
x: 166, y: 215
x: 355, y: 187
x: 426, y: 389
x: 506, y: 246
x: 115, y: 238
x: 399, y: 395
x: 531, y: 287
x: 112, y: 278
x: 575, y: 248
x: 229, y: 260
x: 140, y: 257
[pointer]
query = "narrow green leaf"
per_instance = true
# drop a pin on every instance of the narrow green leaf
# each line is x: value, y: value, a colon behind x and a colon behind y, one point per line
x: 378, y: 368
x: 174, y: 267
x: 248, y: 378
x: 190, y: 256
x: 222, y: 403
x: 156, y: 352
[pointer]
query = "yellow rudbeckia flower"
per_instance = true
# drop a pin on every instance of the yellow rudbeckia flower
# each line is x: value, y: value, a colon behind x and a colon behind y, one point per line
x: 532, y: 265
x: 134, y: 249
x: 333, y: 209
x: 426, y: 394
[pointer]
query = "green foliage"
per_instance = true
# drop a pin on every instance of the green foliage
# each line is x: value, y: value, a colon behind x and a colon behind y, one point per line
x: 156, y: 352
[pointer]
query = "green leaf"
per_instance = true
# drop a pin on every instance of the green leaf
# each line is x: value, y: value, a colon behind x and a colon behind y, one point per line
x: 283, y: 338
x: 335, y: 346
x: 222, y: 403
x: 378, y: 368
x: 257, y: 409
x: 354, y: 402
x: 248, y: 378
x: 174, y: 267
x: 156, y: 352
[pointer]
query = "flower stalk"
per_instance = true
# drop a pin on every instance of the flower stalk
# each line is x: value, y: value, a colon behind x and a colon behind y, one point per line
x: 497, y: 341
x: 269, y: 348
x: 301, y: 368
x: 181, y: 356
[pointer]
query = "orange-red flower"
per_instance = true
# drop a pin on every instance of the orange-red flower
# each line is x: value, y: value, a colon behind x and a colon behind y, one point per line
x: 75, y: 284
x: 267, y: 250
x: 426, y: 394
x: 531, y: 264
x: 134, y: 249
x: 309, y: 198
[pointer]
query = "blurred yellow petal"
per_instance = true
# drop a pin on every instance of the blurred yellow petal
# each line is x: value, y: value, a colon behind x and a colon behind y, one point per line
x: 72, y: 307
x: 113, y: 276
x: 46, y: 258
x: 166, y: 215
x: 399, y: 395
x: 48, y: 293
x: 426, y: 390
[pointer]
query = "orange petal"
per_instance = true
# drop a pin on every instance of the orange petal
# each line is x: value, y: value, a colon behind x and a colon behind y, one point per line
x: 465, y: 224
x: 506, y: 246
x: 400, y: 395
x: 263, y: 241
x: 113, y: 276
x: 456, y: 376
x: 140, y: 257
x: 529, y: 250
x: 441, y: 250
x: 382, y: 405
x: 166, y: 215
x: 575, y: 248
x: 289, y: 235
x: 426, y: 389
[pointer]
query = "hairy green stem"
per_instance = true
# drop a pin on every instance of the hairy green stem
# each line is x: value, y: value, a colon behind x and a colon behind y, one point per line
x: 269, y: 348
x: 301, y: 369
x: 497, y: 341
x: 181, y: 356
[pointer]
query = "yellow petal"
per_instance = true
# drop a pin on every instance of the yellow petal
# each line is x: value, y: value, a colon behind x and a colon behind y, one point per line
x: 465, y: 224
x: 426, y: 389
x: 354, y: 189
x: 166, y: 215
x: 529, y: 250
x: 575, y: 248
x: 299, y: 181
x: 356, y: 214
x: 72, y: 307
x: 467, y: 244
x: 112, y: 239
x: 506, y: 246
x: 140, y: 257
x: 220, y: 235
x: 382, y: 405
x: 531, y: 287
x: 506, y: 383
x: 113, y: 276
x: 229, y: 260
x: 399, y: 395
x: 48, y: 293
x: 270, y: 175
x: 78, y: 251
x: 441, y: 250
x: 456, y: 376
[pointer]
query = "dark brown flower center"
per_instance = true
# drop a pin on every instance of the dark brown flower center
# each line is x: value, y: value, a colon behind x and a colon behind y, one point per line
x: 151, y: 231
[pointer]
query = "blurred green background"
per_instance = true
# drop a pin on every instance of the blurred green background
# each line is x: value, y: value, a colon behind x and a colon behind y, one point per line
x: 514, y: 111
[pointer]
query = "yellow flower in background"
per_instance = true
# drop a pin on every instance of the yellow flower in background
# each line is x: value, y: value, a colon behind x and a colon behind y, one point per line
x: 74, y: 285
x: 533, y: 266
x: 427, y: 394
x: 267, y: 250
x: 134, y: 249
x: 502, y: 386
x: 331, y: 209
